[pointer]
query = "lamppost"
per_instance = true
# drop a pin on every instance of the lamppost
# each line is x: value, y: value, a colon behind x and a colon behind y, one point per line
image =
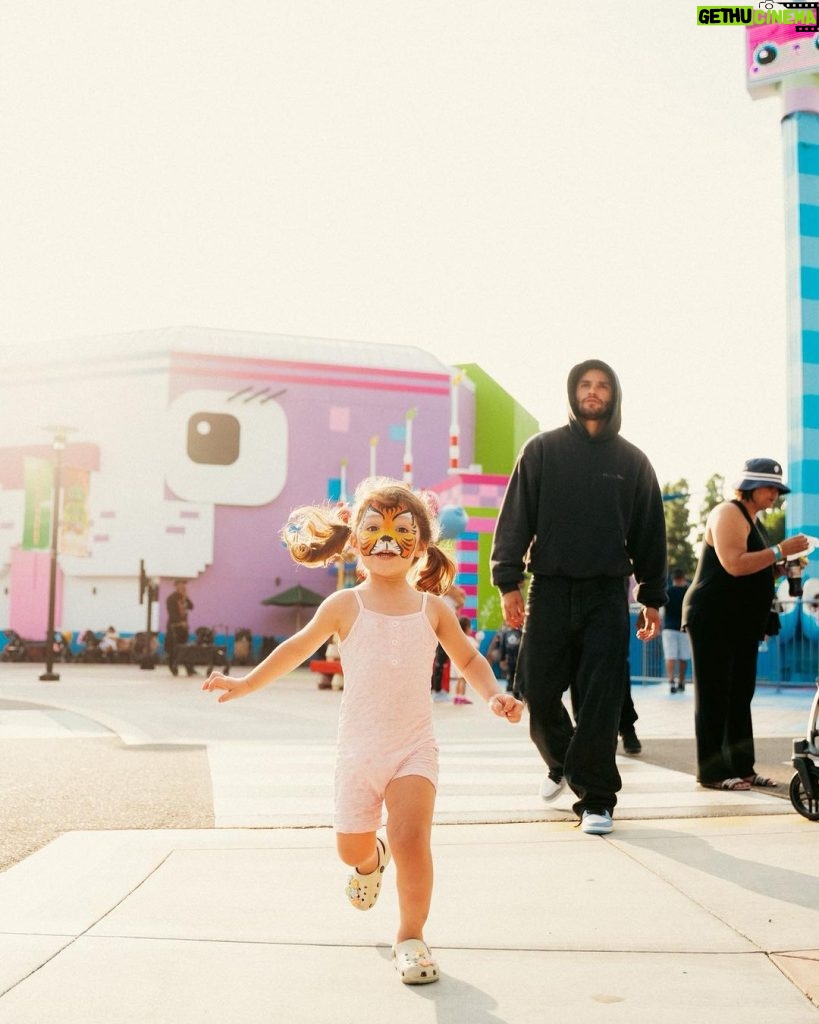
x: 147, y: 588
x: 60, y: 433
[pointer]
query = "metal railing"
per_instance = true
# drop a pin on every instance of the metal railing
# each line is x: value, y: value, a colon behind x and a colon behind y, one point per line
x: 789, y: 659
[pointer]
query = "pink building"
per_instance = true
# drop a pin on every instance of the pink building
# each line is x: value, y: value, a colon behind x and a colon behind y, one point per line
x: 190, y: 447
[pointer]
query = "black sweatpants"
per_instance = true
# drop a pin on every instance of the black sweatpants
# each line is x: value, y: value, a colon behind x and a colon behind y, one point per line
x: 576, y: 637
x: 724, y: 662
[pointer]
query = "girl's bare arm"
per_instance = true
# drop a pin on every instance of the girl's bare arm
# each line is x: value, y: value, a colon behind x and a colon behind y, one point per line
x: 473, y: 666
x: 329, y: 618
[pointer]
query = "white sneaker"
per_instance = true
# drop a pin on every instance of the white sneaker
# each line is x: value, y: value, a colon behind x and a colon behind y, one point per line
x: 596, y: 824
x: 551, y: 790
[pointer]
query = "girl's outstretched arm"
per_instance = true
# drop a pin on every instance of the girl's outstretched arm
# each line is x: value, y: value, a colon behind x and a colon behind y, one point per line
x: 287, y: 656
x: 474, y: 667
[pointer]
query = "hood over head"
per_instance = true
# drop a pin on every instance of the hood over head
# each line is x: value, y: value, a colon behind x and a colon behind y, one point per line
x: 609, y: 427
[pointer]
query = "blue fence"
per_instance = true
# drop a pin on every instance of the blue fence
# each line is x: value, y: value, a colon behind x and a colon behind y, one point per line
x: 789, y: 659
x: 261, y: 645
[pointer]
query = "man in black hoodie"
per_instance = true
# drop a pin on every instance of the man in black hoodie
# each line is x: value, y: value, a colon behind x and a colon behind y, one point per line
x: 582, y: 513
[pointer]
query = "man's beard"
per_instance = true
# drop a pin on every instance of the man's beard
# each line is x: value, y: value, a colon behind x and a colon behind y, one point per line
x: 595, y: 412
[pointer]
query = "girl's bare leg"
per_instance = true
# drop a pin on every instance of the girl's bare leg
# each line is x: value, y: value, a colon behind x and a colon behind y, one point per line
x: 410, y: 802
x: 358, y: 850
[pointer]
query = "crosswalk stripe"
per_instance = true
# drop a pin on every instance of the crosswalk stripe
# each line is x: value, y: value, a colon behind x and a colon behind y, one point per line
x: 280, y: 785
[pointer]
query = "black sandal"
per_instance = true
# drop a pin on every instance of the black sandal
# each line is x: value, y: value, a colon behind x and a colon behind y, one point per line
x: 762, y: 781
x: 732, y: 785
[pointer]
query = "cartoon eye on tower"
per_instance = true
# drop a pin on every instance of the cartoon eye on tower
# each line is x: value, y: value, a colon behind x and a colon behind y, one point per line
x: 765, y: 54
x: 776, y: 53
x: 227, y: 448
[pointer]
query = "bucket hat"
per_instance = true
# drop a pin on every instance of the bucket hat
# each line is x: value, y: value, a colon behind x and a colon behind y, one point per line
x: 761, y: 473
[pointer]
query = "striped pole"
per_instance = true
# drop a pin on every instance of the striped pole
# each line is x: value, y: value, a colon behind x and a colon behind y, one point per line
x: 410, y: 416
x: 455, y: 427
x: 343, y: 481
x: 800, y: 135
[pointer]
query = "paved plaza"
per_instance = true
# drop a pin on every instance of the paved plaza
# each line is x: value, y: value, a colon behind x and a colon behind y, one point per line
x: 699, y: 903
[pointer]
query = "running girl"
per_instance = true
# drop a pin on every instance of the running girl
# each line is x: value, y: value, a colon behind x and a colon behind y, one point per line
x: 389, y: 626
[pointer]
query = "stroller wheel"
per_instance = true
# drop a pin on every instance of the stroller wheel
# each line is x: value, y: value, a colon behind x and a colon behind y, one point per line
x: 806, y: 805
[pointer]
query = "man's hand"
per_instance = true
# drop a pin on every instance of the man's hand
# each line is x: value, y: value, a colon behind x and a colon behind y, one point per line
x: 513, y: 610
x: 648, y: 623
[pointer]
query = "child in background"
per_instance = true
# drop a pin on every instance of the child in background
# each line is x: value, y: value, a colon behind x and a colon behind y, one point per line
x: 389, y: 627
x: 455, y: 675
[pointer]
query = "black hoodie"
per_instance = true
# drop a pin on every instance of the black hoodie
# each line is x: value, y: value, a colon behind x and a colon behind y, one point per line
x: 581, y: 505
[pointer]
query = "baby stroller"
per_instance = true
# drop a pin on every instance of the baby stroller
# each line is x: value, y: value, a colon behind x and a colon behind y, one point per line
x: 804, y: 789
x: 144, y: 649
x: 205, y: 651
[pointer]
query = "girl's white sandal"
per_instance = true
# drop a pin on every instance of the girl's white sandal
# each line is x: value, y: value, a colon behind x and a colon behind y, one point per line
x: 414, y: 962
x: 363, y: 890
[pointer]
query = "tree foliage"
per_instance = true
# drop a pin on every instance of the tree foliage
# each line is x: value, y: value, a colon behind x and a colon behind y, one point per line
x: 714, y: 494
x: 678, y: 527
x: 773, y: 521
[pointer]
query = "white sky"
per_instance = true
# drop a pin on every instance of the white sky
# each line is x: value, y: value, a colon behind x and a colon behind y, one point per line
x: 497, y: 181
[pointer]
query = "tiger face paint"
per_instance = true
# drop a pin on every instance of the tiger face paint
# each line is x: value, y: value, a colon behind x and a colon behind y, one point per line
x: 387, y: 531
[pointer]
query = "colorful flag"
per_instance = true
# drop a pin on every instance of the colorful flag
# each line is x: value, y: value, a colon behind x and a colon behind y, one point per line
x: 74, y: 520
x: 38, y: 478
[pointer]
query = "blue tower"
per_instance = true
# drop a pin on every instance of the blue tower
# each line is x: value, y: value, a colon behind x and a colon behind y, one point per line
x: 783, y: 60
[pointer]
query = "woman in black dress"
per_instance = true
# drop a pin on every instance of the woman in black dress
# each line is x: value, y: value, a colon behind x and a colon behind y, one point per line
x: 725, y: 612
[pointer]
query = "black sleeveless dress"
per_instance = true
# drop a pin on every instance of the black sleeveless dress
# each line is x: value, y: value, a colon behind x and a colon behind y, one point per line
x: 726, y: 617
x: 738, y: 604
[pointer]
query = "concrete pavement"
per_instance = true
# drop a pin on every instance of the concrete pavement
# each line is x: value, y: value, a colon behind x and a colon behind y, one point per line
x: 698, y: 903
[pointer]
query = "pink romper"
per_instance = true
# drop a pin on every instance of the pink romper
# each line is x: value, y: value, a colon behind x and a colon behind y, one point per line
x: 385, y: 721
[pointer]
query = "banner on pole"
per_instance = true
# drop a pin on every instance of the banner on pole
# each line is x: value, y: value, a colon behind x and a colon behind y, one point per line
x: 38, y: 477
x: 74, y: 521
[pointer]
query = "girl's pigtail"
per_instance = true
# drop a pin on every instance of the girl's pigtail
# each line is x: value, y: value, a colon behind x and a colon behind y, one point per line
x: 316, y: 536
x: 436, y: 571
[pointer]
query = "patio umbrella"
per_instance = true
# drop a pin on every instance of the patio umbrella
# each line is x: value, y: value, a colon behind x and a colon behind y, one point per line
x: 297, y: 597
